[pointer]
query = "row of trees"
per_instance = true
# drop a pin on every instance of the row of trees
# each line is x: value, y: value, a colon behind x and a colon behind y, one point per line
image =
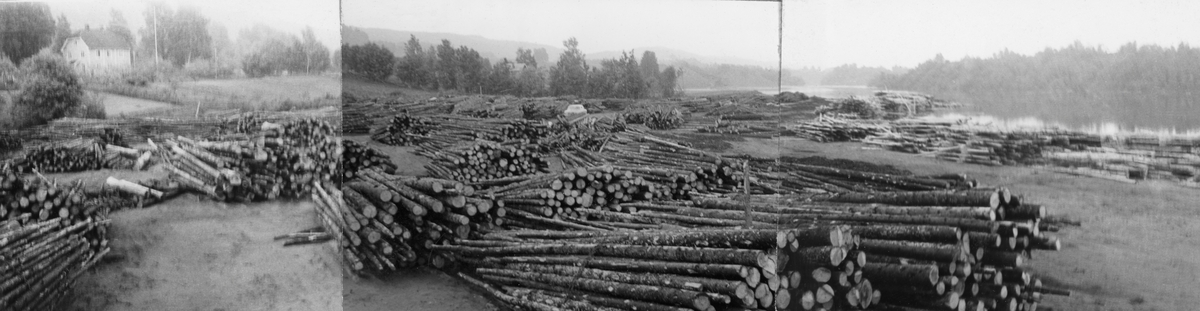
x: 182, y: 37
x: 621, y: 78
x: 1139, y: 85
x: 444, y: 67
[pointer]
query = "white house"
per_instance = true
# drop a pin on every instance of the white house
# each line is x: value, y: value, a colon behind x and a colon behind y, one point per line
x: 98, y: 52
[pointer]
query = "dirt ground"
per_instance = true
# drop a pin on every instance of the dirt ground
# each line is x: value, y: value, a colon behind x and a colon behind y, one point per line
x: 193, y: 254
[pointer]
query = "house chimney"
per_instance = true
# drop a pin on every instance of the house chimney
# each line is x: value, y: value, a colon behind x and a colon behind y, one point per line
x: 87, y: 27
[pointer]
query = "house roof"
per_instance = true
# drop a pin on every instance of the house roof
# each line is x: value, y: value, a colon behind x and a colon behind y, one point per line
x: 98, y: 39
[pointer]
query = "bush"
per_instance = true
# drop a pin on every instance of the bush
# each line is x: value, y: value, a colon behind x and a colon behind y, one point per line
x: 49, y: 90
x: 92, y: 107
x: 8, y: 74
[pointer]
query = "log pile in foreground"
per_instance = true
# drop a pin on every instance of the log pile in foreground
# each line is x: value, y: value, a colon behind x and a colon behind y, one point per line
x: 48, y: 237
x: 711, y: 269
x: 680, y: 169
x: 383, y: 222
x: 280, y: 161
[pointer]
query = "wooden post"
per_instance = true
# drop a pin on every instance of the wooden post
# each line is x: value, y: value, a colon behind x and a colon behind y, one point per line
x: 746, y: 189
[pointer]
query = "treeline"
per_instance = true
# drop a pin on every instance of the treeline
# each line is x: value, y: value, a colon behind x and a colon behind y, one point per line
x: 304, y: 54
x: 726, y: 76
x: 444, y: 67
x: 852, y: 74
x: 1146, y: 85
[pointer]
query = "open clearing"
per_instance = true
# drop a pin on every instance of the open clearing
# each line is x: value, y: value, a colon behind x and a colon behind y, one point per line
x: 267, y: 88
x: 193, y: 254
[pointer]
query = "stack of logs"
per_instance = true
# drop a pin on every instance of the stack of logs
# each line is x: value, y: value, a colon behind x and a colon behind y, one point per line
x: 483, y: 160
x: 57, y: 158
x: 357, y: 157
x: 48, y: 237
x: 383, y: 222
x: 801, y: 177
x: 745, y: 269
x: 403, y: 130
x: 659, y: 119
x: 559, y: 200
x: 827, y: 129
x: 279, y: 161
x: 681, y: 170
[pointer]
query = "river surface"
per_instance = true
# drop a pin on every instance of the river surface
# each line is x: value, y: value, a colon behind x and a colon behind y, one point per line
x: 1110, y: 113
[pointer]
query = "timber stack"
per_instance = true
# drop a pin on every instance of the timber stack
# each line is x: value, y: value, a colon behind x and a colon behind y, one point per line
x: 747, y: 269
x: 57, y: 158
x: 357, y: 157
x: 404, y: 130
x: 483, y: 160
x: 48, y: 238
x: 281, y: 160
x: 560, y: 200
x: 830, y: 129
x: 976, y: 244
x: 680, y: 169
x: 658, y: 119
x: 798, y: 177
x: 383, y: 222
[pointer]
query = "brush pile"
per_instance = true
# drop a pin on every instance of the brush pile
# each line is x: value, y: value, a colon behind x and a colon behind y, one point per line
x: 483, y: 160
x: 404, y: 130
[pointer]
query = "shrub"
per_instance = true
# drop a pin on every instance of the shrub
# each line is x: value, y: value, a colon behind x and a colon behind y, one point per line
x: 8, y: 74
x: 49, y: 90
x: 92, y: 107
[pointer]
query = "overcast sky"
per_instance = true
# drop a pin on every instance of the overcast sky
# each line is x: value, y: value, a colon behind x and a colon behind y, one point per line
x: 290, y: 16
x: 833, y: 32
x: 745, y: 30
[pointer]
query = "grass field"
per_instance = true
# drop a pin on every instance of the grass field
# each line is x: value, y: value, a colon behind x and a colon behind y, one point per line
x: 262, y: 94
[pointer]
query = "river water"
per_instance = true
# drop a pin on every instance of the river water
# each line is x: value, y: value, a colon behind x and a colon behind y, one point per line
x: 1108, y: 114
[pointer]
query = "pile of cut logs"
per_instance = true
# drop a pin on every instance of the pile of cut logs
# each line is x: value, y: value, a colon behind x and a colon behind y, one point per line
x: 56, y: 158
x: 383, y: 222
x: 755, y: 269
x: 357, y: 157
x: 827, y: 129
x: 279, y: 161
x: 799, y: 178
x: 483, y: 160
x: 680, y: 169
x: 48, y: 238
x: 404, y: 130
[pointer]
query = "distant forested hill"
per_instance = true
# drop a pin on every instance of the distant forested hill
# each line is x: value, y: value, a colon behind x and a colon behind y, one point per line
x: 1145, y: 85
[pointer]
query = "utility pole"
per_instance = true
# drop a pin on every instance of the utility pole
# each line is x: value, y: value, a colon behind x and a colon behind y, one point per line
x: 780, y: 81
x: 154, y: 12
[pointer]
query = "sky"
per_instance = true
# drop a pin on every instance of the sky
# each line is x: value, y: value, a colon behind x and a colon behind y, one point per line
x: 827, y: 33
x: 290, y: 16
x: 723, y: 29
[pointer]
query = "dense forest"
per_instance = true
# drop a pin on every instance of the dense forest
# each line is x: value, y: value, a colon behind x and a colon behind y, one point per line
x: 1145, y: 86
x: 445, y: 67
